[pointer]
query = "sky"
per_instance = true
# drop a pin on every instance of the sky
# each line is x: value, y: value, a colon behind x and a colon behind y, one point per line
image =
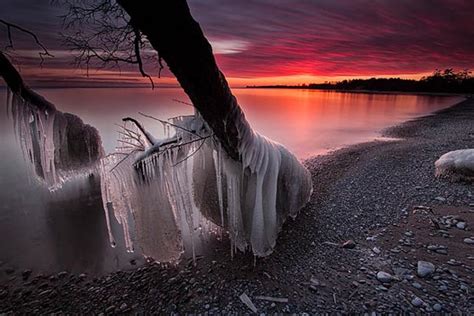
x: 258, y: 42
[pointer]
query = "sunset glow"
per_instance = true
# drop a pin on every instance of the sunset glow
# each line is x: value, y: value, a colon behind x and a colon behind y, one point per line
x: 282, y: 42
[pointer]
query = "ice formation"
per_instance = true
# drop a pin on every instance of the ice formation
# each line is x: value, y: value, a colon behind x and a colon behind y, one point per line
x: 168, y: 193
x: 457, y: 164
x: 56, y: 145
x: 159, y: 189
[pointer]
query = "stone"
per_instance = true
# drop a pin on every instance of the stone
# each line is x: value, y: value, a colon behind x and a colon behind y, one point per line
x: 384, y: 277
x: 440, y: 199
x: 437, y: 307
x: 381, y: 288
x: 62, y: 274
x: 3, y: 294
x: 349, y: 244
x: 416, y: 301
x: 110, y: 309
x: 123, y: 307
x: 425, y: 269
x: 442, y: 288
x: 461, y: 225
x: 417, y: 285
x: 469, y: 241
x: 376, y: 250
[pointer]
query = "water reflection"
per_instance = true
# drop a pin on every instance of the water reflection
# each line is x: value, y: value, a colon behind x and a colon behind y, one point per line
x: 67, y: 230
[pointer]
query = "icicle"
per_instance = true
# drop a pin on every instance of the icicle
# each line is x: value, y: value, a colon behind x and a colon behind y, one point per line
x: 192, y: 184
x: 43, y: 138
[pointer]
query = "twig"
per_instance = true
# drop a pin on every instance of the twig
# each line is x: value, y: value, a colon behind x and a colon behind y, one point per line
x: 171, y: 124
x: 137, y: 43
x: 353, y: 293
x: 37, y: 41
x: 272, y: 299
x: 141, y: 128
x: 184, y: 102
x: 190, y: 155
x: 123, y: 159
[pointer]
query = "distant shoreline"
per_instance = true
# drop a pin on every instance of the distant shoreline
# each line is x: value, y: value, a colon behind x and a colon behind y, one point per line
x: 442, y: 94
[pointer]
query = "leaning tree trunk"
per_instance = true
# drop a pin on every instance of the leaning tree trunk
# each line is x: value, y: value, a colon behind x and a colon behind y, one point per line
x: 178, y: 38
x: 264, y: 182
x: 237, y: 178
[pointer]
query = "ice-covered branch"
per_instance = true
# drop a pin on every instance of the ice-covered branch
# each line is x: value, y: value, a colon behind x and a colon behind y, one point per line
x: 57, y: 145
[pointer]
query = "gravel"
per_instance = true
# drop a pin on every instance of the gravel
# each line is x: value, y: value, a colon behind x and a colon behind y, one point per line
x: 361, y: 193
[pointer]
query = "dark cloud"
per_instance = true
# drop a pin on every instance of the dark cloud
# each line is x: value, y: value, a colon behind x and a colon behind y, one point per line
x: 291, y: 37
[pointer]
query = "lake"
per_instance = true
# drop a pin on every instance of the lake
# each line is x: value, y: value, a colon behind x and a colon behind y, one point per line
x: 66, y: 230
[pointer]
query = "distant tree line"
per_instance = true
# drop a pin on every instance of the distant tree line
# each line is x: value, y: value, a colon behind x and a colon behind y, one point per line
x: 447, y: 81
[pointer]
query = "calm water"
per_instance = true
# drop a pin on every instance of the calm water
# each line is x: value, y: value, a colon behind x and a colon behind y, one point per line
x: 66, y: 230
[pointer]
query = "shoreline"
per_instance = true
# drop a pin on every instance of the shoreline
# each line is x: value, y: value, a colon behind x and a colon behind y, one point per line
x: 436, y: 94
x: 365, y: 193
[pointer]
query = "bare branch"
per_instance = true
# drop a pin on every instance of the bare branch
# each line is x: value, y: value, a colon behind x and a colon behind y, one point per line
x: 141, y: 128
x: 190, y: 155
x: 183, y: 102
x: 171, y: 124
x: 137, y: 44
x: 11, y: 26
x: 101, y: 34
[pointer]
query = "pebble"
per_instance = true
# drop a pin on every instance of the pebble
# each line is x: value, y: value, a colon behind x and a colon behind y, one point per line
x: 469, y: 241
x: 443, y: 288
x: 376, y: 250
x: 349, y: 244
x: 110, y: 308
x: 124, y: 306
x: 440, y: 199
x: 437, y: 307
x: 461, y: 225
x: 417, y: 285
x: 381, y: 288
x: 425, y: 268
x: 384, y: 277
x: 417, y: 302
x: 62, y: 274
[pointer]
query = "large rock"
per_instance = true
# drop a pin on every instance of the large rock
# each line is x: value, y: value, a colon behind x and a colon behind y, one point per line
x: 457, y: 165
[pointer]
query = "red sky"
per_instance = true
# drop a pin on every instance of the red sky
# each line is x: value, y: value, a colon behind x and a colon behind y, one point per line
x: 281, y: 41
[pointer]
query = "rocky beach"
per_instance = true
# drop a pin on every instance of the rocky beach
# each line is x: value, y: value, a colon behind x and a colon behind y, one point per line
x: 380, y: 233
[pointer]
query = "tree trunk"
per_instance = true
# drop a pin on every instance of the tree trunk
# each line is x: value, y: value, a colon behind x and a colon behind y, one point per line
x: 264, y: 182
x: 178, y: 38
